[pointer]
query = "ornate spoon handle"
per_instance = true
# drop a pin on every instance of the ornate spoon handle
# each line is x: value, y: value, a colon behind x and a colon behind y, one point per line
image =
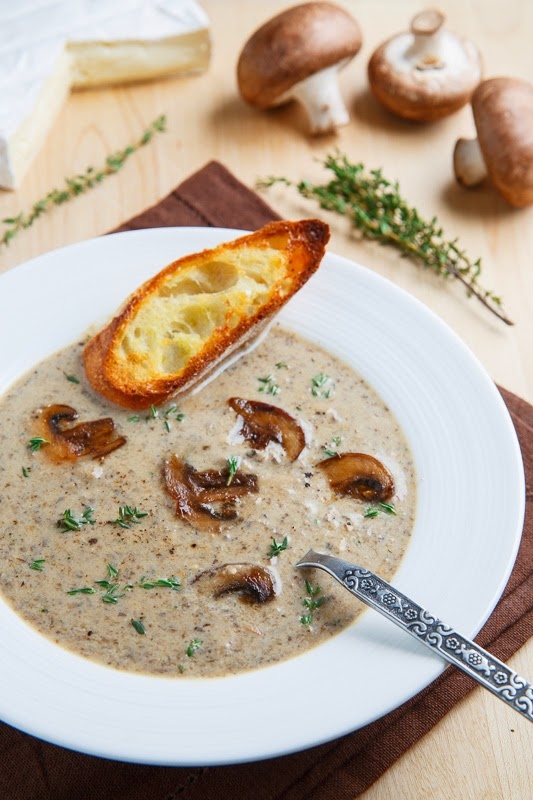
x: 439, y: 637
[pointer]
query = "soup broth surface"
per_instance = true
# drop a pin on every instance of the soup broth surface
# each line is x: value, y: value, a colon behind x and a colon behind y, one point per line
x: 129, y: 583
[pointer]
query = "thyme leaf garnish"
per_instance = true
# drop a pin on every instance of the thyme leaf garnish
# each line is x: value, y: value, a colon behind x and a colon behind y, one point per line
x: 36, y: 442
x: 128, y: 516
x: 165, y: 583
x: 377, y: 209
x: 68, y: 522
x: 38, y: 564
x: 171, y: 412
x: 79, y: 184
x: 277, y: 547
x: 233, y: 466
x: 336, y: 442
x: 113, y: 590
x: 138, y: 625
x: 268, y: 385
x: 174, y: 411
x: 311, y: 603
x: 194, y: 645
x: 112, y: 594
x: 373, y: 511
x: 321, y: 385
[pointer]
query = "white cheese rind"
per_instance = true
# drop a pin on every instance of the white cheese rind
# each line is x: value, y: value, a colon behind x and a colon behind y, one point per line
x: 19, y: 146
x: 48, y: 47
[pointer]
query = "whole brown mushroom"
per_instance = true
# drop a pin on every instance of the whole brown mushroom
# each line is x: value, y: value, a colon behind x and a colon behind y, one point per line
x: 503, y: 150
x: 426, y: 73
x: 296, y: 55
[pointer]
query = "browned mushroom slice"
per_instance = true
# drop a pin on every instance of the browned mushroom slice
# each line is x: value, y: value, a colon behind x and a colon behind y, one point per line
x: 95, y: 438
x: 254, y: 583
x: 263, y: 423
x: 359, y: 475
x: 196, y: 493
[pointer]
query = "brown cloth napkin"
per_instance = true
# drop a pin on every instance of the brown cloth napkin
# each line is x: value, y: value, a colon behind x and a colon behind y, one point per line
x: 342, y: 769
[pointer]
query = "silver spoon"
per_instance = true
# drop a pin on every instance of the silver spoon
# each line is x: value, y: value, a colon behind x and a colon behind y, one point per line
x: 428, y: 629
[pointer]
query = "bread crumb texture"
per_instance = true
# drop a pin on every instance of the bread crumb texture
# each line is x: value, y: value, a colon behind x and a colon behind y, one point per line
x: 182, y: 323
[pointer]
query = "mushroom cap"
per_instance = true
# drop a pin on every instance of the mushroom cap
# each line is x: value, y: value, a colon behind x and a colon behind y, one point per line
x: 503, y: 114
x: 292, y: 46
x: 423, y: 86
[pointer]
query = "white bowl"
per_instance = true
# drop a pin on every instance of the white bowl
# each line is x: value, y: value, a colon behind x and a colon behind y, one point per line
x: 468, y: 525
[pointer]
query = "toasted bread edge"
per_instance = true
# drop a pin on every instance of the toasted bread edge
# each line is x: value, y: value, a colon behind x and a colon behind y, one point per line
x: 306, y: 242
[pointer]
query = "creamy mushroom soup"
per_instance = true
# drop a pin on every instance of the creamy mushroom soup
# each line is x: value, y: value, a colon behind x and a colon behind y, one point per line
x: 173, y: 552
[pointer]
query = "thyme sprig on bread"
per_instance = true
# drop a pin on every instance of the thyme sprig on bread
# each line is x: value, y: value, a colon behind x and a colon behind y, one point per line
x: 78, y: 184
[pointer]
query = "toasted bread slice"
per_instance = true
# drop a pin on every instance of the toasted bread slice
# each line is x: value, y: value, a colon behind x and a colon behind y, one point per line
x: 188, y: 319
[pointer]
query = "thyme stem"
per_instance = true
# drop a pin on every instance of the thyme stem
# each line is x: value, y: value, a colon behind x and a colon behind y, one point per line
x: 79, y: 184
x: 377, y: 209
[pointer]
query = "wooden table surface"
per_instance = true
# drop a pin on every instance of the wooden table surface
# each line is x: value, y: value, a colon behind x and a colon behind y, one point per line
x: 481, y: 749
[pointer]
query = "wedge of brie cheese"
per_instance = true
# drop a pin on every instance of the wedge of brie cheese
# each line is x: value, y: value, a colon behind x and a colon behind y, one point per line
x: 50, y: 47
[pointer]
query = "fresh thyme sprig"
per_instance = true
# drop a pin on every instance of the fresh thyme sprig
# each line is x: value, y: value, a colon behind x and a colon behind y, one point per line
x: 377, y: 209
x: 79, y: 184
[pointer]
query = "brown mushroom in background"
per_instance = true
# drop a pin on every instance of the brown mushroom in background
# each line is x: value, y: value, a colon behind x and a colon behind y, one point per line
x: 252, y: 582
x: 296, y: 56
x: 425, y: 73
x: 503, y: 150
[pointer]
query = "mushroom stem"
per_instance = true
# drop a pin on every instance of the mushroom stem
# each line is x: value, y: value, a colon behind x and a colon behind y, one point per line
x: 468, y: 163
x: 426, y: 49
x: 427, y: 22
x: 321, y: 98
